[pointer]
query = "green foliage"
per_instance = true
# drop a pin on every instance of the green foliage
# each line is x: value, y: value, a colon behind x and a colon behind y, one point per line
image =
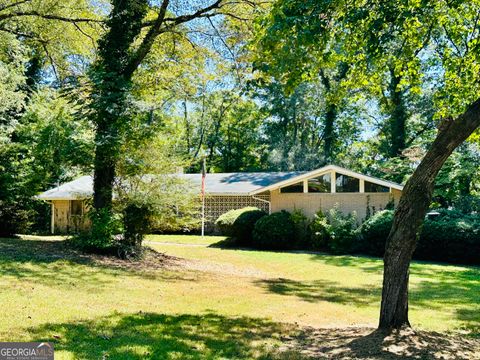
x: 59, y: 144
x: 374, y: 232
x: 239, y: 223
x: 137, y: 222
x: 164, y: 202
x: 342, y: 231
x: 102, y: 235
x: 275, y: 231
x: 450, y: 238
x: 301, y: 224
x: 319, y: 231
x: 458, y: 182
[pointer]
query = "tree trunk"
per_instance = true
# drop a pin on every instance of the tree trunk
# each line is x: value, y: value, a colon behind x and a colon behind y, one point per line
x: 104, y: 176
x: 411, y: 212
x: 398, y: 117
x: 329, y: 132
x: 111, y: 84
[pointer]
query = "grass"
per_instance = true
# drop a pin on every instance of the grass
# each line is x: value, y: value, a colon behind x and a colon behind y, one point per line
x: 218, y: 303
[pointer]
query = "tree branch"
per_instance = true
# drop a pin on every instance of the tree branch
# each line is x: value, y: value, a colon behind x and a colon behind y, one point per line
x: 157, y: 29
x: 47, y: 16
x: 148, y: 40
x: 14, y: 4
x: 185, y: 18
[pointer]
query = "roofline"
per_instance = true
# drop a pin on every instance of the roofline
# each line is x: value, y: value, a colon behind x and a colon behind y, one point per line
x: 53, y: 198
x: 326, y: 169
x: 274, y: 186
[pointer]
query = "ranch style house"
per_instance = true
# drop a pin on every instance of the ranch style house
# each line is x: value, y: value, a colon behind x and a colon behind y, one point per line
x: 320, y: 189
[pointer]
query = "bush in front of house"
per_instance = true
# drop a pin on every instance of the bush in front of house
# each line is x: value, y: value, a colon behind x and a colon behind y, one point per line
x: 450, y: 238
x: 319, y: 232
x: 341, y: 229
x: 239, y: 224
x: 275, y: 232
x: 374, y: 231
x: 301, y: 224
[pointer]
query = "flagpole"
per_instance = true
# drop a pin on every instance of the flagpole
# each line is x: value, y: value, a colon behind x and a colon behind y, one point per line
x: 203, y: 216
x: 204, y: 174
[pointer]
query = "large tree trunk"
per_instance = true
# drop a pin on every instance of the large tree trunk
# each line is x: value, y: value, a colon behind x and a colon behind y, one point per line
x: 104, y: 175
x: 411, y: 212
x: 329, y: 132
x: 111, y: 84
x: 398, y: 117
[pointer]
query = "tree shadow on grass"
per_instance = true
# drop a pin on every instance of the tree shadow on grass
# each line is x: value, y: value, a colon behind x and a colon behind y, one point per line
x: 364, y: 263
x: 213, y: 336
x: 322, y: 290
x: 459, y: 291
x: 57, y: 263
x: 159, y: 336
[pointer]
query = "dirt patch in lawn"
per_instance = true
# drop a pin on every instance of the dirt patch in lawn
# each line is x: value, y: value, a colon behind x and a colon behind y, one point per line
x: 367, y: 343
x: 222, y: 268
x: 46, y: 251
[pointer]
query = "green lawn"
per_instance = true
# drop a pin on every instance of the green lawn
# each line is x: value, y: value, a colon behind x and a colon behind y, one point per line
x: 218, y: 303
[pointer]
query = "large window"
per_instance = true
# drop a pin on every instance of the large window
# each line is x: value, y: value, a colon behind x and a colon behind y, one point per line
x: 295, y: 188
x: 76, y: 207
x: 346, y: 183
x: 321, y: 184
x: 371, y: 187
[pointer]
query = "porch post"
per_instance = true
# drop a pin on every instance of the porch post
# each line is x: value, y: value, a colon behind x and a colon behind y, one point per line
x: 52, y: 220
x: 333, y: 182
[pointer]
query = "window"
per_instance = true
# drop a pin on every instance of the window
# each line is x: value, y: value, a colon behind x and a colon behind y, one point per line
x: 321, y: 184
x: 346, y: 183
x: 76, y: 207
x: 371, y: 187
x: 295, y: 188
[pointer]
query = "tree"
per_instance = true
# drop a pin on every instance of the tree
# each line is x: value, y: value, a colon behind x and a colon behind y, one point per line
x: 288, y: 61
x: 436, y: 36
x: 149, y: 197
x: 37, y: 38
x: 132, y: 29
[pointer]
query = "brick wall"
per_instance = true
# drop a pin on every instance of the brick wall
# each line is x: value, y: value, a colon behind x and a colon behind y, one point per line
x: 348, y: 202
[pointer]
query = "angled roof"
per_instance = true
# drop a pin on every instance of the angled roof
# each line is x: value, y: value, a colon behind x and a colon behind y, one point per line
x: 77, y: 189
x: 240, y: 183
x: 220, y: 183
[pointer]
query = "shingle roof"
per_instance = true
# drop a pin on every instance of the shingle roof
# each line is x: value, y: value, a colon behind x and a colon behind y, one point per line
x: 240, y: 183
x: 218, y: 184
x: 77, y: 189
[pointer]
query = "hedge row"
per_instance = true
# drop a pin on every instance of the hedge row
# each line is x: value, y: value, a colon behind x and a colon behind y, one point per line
x: 284, y: 231
x: 451, y: 236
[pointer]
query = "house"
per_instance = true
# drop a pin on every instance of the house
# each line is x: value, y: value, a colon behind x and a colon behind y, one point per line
x: 320, y: 189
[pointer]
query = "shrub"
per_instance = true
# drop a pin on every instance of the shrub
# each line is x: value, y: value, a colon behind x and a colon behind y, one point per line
x: 103, y: 235
x: 451, y: 236
x: 275, y: 231
x: 239, y: 223
x: 14, y: 219
x: 302, y: 231
x: 468, y: 204
x: 318, y: 229
x: 452, y: 239
x: 137, y: 222
x: 342, y: 231
x: 374, y: 232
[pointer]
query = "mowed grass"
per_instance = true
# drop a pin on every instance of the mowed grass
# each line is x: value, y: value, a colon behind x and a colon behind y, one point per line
x: 218, y: 303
